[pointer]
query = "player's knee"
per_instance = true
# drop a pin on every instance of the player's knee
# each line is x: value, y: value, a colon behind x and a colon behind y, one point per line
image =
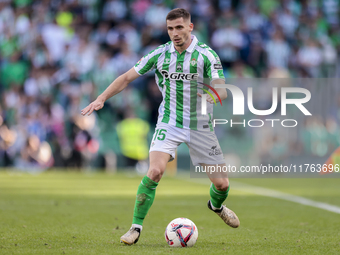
x: 155, y: 173
x: 222, y: 185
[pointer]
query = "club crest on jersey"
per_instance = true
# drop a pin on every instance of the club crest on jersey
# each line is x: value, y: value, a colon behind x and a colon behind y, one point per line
x: 179, y: 76
x: 179, y: 68
x: 193, y: 62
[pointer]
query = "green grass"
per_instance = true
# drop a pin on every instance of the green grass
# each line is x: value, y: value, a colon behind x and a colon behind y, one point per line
x: 77, y: 213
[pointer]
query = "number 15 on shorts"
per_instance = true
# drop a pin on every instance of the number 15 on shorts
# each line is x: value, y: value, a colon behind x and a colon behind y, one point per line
x: 160, y: 134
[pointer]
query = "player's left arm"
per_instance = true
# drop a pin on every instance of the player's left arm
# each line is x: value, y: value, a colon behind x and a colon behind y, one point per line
x: 222, y: 92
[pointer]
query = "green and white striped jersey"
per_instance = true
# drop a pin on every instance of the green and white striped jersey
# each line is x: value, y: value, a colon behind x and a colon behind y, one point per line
x: 179, y: 78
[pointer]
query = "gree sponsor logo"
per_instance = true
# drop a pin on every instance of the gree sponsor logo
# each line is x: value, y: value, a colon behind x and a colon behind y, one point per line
x: 179, y: 76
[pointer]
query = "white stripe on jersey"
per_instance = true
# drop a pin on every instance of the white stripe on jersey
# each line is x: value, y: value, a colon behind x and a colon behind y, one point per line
x: 186, y: 92
x: 159, y: 67
x: 173, y: 101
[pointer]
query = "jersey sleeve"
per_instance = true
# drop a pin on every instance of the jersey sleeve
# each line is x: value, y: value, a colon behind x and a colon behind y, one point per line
x: 146, y: 63
x: 213, y: 67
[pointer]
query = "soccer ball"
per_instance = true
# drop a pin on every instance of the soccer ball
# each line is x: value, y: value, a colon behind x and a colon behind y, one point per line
x: 181, y: 232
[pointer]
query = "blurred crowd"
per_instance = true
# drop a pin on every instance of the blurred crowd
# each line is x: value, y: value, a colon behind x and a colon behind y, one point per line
x: 57, y: 56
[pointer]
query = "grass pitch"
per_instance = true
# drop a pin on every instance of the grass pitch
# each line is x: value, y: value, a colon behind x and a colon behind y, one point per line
x: 77, y: 213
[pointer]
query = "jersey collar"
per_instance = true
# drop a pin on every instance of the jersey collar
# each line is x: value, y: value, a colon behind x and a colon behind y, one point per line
x: 190, y: 48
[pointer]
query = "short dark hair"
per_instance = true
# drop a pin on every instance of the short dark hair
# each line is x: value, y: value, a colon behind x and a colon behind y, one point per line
x: 178, y: 13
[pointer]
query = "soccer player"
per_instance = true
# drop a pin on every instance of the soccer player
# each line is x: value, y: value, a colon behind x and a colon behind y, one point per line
x: 180, y: 64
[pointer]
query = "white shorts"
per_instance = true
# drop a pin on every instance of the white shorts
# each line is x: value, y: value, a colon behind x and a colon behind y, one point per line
x: 203, y: 146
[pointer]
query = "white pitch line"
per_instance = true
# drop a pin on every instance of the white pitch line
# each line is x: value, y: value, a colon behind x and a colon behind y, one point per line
x: 284, y: 196
x: 276, y: 194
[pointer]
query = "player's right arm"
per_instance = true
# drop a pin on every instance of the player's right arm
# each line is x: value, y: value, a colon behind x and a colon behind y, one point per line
x: 114, y: 88
x: 143, y: 66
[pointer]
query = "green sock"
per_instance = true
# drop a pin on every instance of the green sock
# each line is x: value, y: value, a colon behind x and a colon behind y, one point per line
x: 217, y: 197
x: 145, y: 196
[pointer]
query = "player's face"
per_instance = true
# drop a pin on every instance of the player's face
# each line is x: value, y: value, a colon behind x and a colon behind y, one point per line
x: 179, y: 31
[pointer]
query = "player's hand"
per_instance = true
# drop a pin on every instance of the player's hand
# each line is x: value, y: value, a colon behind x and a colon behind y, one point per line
x: 209, y: 99
x: 95, y: 105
